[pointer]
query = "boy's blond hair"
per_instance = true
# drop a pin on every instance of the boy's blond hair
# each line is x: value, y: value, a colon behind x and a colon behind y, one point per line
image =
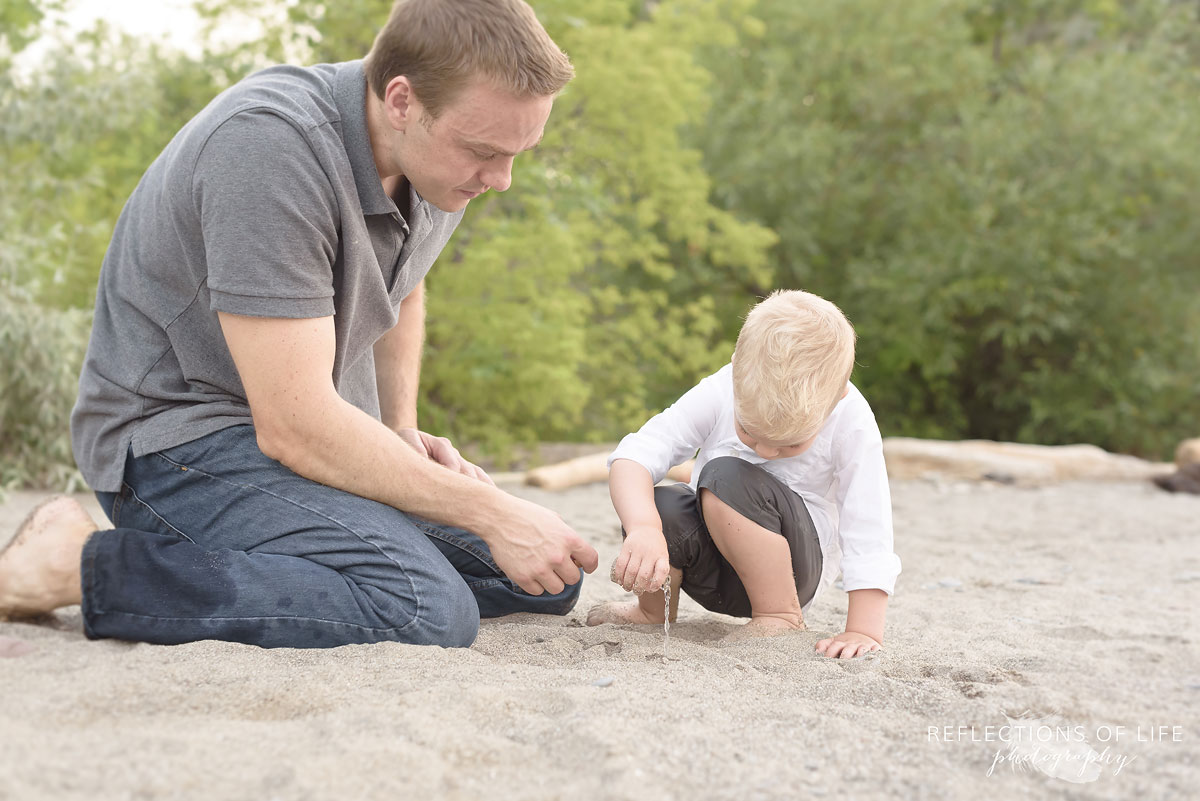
x: 793, y: 358
x: 440, y: 45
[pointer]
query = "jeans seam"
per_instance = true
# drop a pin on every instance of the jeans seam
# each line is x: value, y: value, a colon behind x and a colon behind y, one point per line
x: 157, y: 516
x: 298, y: 618
x: 439, y: 533
x: 419, y: 602
x: 115, y: 511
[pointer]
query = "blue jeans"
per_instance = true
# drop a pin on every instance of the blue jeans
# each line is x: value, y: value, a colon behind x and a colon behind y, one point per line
x: 215, y: 541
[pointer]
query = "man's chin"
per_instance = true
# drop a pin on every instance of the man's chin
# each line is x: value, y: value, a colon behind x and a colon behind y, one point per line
x: 451, y: 205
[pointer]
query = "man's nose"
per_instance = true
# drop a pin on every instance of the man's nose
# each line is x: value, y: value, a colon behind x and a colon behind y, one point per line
x: 499, y: 175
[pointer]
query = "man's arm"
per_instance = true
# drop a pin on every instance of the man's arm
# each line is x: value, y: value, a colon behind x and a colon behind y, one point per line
x: 286, y: 368
x: 398, y: 363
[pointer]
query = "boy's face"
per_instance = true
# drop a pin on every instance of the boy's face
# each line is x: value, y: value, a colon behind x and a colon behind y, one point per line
x: 769, y: 449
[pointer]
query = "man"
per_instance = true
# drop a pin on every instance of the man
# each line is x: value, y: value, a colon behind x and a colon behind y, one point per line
x: 247, y: 408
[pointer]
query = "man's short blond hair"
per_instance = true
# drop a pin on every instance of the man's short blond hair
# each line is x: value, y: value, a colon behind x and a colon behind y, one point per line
x: 793, y: 359
x: 440, y: 45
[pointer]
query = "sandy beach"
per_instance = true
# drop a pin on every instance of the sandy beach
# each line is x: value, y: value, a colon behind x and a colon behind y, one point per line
x: 1071, y: 608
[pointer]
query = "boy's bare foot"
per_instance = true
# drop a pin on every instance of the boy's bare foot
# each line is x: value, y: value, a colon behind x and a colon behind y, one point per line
x: 622, y: 612
x: 766, y: 626
x: 39, y: 569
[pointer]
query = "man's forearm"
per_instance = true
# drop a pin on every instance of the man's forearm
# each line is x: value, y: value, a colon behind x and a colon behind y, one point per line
x: 338, y: 445
x: 398, y: 363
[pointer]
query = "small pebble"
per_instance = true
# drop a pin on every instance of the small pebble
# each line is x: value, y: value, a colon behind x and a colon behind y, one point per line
x: 603, y: 681
x: 946, y: 583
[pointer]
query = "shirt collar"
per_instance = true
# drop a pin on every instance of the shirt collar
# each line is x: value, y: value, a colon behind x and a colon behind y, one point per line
x: 350, y: 93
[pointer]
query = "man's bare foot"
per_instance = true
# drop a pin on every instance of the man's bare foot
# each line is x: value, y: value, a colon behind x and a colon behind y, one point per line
x: 39, y: 569
x: 766, y: 626
x: 623, y: 612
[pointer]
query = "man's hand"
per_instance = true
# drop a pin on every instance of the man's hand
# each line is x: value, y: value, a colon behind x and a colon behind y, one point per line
x: 440, y: 450
x: 538, y: 551
x: 847, y: 645
x: 642, y: 566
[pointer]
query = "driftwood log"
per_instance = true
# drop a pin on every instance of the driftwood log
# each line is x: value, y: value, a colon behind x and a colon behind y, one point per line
x: 1012, y: 462
x: 969, y: 460
x: 586, y: 470
x: 1186, y: 478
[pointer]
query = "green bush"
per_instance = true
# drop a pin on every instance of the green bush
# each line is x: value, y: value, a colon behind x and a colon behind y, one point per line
x: 1004, y: 206
x: 39, y: 375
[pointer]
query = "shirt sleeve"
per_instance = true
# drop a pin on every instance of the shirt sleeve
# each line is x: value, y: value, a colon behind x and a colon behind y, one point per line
x: 268, y: 217
x: 864, y: 509
x: 674, y: 435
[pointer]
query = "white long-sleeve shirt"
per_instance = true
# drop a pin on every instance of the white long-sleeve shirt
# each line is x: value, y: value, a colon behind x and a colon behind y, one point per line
x: 841, y: 477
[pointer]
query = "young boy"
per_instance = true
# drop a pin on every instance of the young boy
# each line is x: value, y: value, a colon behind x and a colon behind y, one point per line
x: 789, y: 486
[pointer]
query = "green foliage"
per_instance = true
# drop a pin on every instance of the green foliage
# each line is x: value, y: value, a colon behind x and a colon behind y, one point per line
x: 1002, y: 195
x: 583, y: 300
x: 43, y: 350
x: 18, y: 25
x: 77, y: 136
x: 1009, y: 227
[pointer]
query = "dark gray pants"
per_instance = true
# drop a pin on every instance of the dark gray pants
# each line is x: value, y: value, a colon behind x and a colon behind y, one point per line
x: 759, y: 497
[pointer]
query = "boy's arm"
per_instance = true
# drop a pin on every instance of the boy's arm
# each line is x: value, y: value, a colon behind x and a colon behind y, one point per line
x: 672, y: 436
x: 869, y: 565
x: 642, y: 565
x: 642, y: 460
x: 864, y: 626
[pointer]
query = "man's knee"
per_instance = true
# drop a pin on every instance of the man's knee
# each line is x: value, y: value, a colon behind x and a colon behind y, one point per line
x: 445, y: 615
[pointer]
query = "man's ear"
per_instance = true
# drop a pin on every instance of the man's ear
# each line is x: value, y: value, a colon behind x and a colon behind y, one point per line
x: 399, y: 103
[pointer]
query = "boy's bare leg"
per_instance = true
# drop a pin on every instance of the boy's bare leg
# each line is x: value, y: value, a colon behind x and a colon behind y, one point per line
x: 39, y: 570
x: 647, y: 608
x: 763, y: 562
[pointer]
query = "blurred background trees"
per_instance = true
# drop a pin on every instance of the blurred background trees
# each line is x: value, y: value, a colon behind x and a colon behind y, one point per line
x: 1003, y: 197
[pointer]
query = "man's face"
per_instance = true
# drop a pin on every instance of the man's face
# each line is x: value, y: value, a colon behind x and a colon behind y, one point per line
x: 469, y: 148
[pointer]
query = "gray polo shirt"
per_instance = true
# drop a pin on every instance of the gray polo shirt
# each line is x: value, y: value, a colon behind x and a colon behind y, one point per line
x: 267, y: 204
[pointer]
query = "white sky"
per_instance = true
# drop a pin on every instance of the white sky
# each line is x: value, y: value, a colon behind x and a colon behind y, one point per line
x: 171, y: 22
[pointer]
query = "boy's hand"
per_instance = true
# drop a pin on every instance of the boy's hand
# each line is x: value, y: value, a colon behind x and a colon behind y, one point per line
x: 847, y: 645
x: 642, y: 566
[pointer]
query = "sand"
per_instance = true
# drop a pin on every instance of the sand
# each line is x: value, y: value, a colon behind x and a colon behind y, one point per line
x: 1074, y: 605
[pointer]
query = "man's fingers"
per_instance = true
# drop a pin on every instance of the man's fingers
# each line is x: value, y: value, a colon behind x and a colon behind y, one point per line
x: 585, y: 556
x: 481, y: 475
x: 532, y: 587
x: 552, y: 583
x: 442, y: 452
